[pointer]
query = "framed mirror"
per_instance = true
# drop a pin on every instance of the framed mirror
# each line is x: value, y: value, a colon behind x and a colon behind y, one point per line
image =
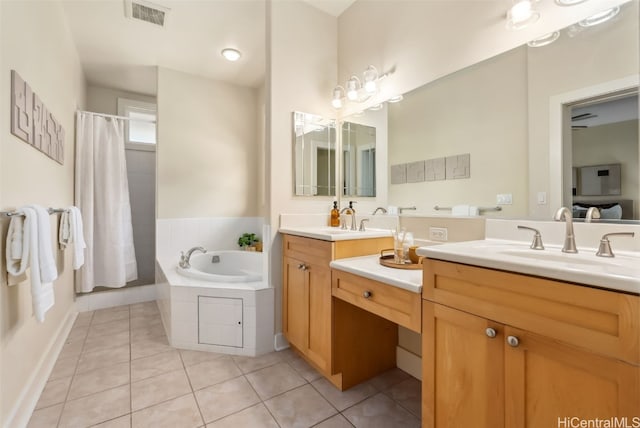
x: 314, y: 152
x: 502, y: 113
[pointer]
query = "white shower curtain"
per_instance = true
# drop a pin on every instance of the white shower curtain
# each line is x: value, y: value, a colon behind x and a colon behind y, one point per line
x: 102, y: 194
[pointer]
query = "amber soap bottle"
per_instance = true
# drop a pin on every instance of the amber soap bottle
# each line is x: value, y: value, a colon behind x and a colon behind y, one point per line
x: 335, y: 215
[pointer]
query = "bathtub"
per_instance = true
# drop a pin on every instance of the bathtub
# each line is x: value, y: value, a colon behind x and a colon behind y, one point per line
x: 223, y: 303
x: 225, y: 266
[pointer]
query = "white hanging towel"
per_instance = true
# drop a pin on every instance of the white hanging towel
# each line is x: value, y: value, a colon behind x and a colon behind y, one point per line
x: 460, y: 210
x: 17, y: 250
x: 36, y: 253
x: 77, y: 236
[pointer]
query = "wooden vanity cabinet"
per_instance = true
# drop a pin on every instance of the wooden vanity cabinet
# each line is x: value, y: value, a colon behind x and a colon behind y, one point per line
x: 508, y: 350
x: 308, y: 312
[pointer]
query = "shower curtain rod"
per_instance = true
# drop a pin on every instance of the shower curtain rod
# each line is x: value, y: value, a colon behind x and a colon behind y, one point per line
x: 116, y: 117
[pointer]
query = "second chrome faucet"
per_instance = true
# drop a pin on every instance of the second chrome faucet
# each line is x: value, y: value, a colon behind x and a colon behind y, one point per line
x: 564, y: 214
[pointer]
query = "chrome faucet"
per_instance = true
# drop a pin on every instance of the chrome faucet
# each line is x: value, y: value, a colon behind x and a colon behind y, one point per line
x: 362, y: 228
x: 184, y: 258
x: 401, y: 209
x: 564, y: 214
x: 592, y: 214
x: 605, y: 247
x: 384, y: 211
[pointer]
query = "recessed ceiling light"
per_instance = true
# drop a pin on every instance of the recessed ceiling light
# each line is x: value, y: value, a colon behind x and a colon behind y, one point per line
x: 568, y: 2
x: 376, y: 107
x: 545, y: 40
x: 231, y: 54
x: 395, y: 99
x: 600, y: 17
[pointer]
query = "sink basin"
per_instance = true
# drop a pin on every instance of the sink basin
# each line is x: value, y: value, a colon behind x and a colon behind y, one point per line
x: 620, y: 273
x: 334, y: 233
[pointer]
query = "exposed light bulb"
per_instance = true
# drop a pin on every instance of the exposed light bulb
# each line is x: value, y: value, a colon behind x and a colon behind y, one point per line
x: 338, y: 94
x: 231, y: 54
x: 521, y: 14
x: 370, y: 79
x: 353, y: 86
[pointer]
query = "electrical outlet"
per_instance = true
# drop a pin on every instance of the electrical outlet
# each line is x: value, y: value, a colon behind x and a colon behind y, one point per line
x: 438, y: 233
x: 504, y: 199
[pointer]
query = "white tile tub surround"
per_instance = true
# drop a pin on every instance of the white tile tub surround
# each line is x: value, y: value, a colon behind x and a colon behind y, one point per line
x: 213, y: 233
x: 587, y: 235
x: 178, y: 295
x: 178, y: 300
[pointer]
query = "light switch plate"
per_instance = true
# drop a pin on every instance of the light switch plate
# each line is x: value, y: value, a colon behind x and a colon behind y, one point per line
x: 542, y: 198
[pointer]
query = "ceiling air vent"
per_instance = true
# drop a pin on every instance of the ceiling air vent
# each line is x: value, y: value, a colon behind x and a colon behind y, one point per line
x: 146, y: 11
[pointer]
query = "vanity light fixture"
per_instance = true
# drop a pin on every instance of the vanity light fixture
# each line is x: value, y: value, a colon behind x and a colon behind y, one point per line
x: 338, y: 95
x: 358, y: 90
x: 600, y: 17
x: 353, y: 87
x: 521, y: 15
x: 231, y: 54
x: 545, y: 40
x: 370, y: 79
x: 395, y: 99
x: 376, y: 107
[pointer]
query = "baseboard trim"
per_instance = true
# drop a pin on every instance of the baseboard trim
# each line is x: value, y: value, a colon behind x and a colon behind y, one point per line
x: 116, y: 297
x: 409, y: 362
x: 21, y: 413
x: 280, y: 342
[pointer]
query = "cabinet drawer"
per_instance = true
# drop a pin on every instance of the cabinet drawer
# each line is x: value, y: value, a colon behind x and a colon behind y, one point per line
x: 308, y: 249
x: 605, y: 322
x: 394, y: 304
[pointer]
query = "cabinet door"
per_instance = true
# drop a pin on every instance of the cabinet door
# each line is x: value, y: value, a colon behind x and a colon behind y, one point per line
x: 462, y: 369
x: 319, y: 309
x: 548, y: 383
x: 295, y: 298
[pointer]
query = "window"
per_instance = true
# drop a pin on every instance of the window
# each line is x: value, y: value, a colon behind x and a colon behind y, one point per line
x: 140, y: 131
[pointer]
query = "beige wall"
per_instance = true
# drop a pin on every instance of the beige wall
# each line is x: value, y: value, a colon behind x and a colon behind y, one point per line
x: 105, y: 100
x: 301, y: 73
x: 610, y: 144
x: 481, y: 110
x: 569, y: 64
x: 36, y: 42
x: 207, y: 148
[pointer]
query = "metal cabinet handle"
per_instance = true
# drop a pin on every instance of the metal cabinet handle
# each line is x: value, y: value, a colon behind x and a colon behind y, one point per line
x: 513, y: 341
x: 367, y: 294
x: 490, y: 332
x: 302, y: 266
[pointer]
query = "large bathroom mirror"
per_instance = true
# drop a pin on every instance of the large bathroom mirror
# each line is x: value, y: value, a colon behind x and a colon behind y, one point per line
x: 314, y: 151
x: 358, y: 159
x: 500, y: 112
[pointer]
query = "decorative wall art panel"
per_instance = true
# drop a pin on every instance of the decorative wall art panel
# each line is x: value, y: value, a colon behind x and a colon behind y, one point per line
x: 32, y: 122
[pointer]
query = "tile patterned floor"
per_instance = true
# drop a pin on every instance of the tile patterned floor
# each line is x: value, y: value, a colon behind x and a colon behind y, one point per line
x: 117, y: 370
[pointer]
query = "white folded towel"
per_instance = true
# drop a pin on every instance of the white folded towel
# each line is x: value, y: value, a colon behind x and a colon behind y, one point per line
x: 36, y: 240
x: 17, y: 250
x: 77, y: 236
x: 48, y: 270
x: 460, y: 210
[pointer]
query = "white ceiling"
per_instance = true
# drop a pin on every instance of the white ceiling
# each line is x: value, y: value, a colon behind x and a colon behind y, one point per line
x: 606, y: 112
x: 122, y: 53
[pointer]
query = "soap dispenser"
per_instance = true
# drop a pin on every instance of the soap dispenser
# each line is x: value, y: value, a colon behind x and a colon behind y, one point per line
x: 335, y: 215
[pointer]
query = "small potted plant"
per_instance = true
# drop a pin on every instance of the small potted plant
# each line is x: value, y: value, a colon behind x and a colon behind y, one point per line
x: 248, y: 241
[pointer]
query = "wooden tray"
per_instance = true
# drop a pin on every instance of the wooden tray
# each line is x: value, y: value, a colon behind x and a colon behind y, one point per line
x: 387, y: 260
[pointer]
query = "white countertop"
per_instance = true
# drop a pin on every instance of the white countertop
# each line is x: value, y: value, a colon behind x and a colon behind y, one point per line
x: 327, y: 233
x: 369, y: 267
x: 621, y: 273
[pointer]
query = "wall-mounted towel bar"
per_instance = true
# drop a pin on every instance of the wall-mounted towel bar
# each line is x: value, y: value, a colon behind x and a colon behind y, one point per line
x: 437, y: 208
x: 12, y: 213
